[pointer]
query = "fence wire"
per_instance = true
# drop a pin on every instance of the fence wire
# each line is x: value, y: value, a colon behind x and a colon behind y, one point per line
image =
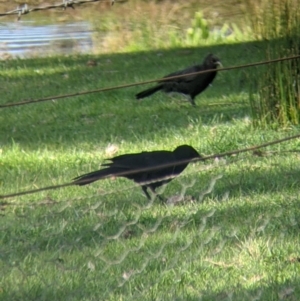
x: 122, y: 247
x: 55, y: 97
x: 161, y: 166
x: 24, y: 8
x: 229, y: 230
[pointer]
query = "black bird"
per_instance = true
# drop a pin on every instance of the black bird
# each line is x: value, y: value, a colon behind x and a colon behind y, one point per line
x: 190, y: 85
x: 149, y: 169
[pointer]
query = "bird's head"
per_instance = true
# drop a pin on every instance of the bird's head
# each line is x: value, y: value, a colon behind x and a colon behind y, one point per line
x: 186, y: 152
x: 212, y: 61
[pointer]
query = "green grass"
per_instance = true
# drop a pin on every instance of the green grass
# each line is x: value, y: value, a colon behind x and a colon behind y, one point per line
x: 240, y: 241
x: 276, y: 94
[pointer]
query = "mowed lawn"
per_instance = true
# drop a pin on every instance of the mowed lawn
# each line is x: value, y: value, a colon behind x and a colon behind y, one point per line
x: 236, y: 236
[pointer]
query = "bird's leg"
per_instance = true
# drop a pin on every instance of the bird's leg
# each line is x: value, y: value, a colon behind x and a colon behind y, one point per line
x: 157, y: 195
x: 191, y: 100
x: 161, y: 198
x: 146, y: 193
x: 154, y: 192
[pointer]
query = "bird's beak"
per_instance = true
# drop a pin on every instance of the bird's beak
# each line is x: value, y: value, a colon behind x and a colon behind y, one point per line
x: 218, y: 63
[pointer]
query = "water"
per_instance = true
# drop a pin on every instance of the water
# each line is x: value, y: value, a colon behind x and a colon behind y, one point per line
x: 27, y: 39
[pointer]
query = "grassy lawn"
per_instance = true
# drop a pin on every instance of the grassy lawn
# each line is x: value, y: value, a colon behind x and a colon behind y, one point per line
x: 238, y: 239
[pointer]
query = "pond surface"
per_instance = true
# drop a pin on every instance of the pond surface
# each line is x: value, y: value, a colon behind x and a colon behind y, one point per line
x: 27, y: 39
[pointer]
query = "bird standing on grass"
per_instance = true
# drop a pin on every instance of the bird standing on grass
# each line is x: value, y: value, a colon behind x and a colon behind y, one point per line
x: 148, y: 169
x: 190, y: 85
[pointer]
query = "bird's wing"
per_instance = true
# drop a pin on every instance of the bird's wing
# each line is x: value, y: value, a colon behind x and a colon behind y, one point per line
x: 187, y: 78
x: 142, y: 162
x: 134, y: 167
x: 162, y: 164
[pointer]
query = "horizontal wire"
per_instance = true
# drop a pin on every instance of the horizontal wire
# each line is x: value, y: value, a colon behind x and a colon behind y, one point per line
x: 161, y: 166
x: 25, y: 102
x: 100, y: 192
x: 24, y: 9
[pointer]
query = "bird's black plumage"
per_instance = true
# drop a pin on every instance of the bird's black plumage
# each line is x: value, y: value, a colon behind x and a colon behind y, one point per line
x: 190, y: 85
x: 161, y: 165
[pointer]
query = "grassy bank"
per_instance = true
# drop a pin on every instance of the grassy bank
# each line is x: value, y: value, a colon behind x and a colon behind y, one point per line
x: 238, y: 239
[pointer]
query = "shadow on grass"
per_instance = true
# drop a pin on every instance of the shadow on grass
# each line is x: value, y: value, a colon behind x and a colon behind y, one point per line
x: 82, y: 242
x: 69, y: 245
x: 96, y: 219
x: 107, y: 116
x: 269, y: 291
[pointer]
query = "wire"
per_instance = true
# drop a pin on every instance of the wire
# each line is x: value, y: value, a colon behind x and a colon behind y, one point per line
x: 25, y: 102
x: 220, y: 155
x: 24, y: 9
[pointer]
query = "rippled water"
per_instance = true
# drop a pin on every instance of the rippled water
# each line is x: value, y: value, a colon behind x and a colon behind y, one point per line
x: 24, y: 39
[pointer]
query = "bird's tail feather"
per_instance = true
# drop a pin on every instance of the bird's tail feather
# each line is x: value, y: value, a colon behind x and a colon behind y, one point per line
x: 148, y: 92
x: 93, y: 176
